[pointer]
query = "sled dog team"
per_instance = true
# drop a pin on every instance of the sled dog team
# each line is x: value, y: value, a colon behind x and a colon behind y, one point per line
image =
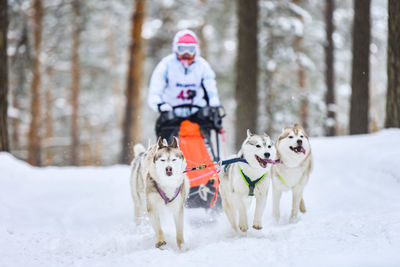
x: 158, y: 179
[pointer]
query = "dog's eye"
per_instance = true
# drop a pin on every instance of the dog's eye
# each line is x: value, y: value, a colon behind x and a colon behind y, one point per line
x: 301, y: 136
x: 173, y: 159
x: 291, y: 136
x: 258, y: 146
x: 163, y: 160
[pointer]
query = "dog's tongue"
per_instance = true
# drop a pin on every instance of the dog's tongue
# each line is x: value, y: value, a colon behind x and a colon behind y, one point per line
x: 302, y: 150
x: 264, y: 162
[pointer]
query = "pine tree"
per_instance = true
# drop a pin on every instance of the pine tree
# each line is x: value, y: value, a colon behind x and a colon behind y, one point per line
x: 34, y: 139
x: 330, y: 127
x: 360, y: 68
x: 393, y: 66
x: 20, y: 64
x: 131, y: 125
x: 3, y: 76
x: 247, y: 70
x: 75, y: 86
x: 301, y: 75
x: 49, y: 119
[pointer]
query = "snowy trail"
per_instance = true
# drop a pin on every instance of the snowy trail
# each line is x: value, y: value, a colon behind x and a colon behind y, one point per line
x: 84, y: 216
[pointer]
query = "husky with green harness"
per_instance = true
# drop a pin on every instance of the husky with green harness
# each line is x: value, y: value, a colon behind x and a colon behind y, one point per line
x: 292, y: 174
x: 247, y: 179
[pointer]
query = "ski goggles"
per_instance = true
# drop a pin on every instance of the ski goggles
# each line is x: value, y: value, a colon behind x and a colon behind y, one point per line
x: 182, y: 49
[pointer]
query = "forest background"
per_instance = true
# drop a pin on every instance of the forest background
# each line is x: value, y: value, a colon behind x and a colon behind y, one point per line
x: 75, y: 73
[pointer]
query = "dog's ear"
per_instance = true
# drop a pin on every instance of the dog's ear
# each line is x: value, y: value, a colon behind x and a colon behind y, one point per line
x: 160, y: 143
x: 249, y: 133
x: 165, y: 142
x: 266, y: 135
x: 174, y: 142
x: 148, y: 144
x: 298, y: 127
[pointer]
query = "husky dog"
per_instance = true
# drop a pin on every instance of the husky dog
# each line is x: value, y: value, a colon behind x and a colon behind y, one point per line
x: 294, y: 151
x: 139, y: 168
x: 158, y: 180
x: 249, y: 178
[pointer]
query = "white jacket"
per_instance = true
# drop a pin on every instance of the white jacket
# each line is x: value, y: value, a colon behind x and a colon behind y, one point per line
x: 171, y: 81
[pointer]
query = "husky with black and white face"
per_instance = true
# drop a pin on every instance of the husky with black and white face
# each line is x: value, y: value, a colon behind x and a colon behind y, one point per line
x: 242, y: 180
x: 164, y: 184
x: 169, y: 165
x: 294, y: 151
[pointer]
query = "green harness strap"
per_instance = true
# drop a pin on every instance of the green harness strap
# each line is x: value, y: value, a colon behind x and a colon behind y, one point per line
x: 250, y: 183
x: 283, y: 180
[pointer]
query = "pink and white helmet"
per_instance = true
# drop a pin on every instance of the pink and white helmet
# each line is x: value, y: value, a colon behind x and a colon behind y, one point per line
x: 185, y: 41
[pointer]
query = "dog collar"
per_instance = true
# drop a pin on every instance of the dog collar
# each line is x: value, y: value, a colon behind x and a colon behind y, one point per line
x: 250, y: 183
x: 164, y: 196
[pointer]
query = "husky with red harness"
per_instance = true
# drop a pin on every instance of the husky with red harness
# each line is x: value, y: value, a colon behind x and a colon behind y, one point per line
x: 183, y: 89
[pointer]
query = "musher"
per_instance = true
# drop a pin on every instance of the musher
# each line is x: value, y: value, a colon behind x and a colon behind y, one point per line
x: 184, y: 78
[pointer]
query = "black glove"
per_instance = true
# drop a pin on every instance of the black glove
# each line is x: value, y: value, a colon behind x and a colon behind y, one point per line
x: 217, y: 114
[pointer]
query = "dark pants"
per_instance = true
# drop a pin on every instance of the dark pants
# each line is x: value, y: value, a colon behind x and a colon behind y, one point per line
x: 168, y: 128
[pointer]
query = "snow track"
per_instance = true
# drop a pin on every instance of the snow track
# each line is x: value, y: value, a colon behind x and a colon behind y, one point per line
x: 84, y: 216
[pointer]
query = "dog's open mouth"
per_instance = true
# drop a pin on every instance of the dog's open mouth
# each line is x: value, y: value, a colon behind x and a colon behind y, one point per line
x: 298, y: 149
x: 168, y: 171
x: 263, y: 162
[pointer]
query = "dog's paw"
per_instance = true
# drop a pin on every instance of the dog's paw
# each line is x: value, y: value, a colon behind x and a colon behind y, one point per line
x: 294, y: 220
x: 257, y: 227
x: 160, y: 244
x: 183, y: 247
x: 276, y: 218
x: 243, y: 228
x: 235, y: 228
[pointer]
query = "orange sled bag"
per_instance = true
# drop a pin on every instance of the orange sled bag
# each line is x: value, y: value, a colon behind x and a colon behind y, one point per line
x: 195, y: 151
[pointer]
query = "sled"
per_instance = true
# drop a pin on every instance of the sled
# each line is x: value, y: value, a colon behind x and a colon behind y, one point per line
x: 200, y: 145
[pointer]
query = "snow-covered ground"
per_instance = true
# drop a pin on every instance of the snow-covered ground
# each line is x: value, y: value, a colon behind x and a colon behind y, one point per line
x: 84, y: 216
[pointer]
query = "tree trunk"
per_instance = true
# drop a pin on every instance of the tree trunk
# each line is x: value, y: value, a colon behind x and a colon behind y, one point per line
x: 15, y: 123
x: 330, y: 126
x: 75, y: 86
x: 393, y: 66
x: 117, y: 90
x: 270, y: 98
x: 34, y: 138
x: 86, y: 146
x: 49, y: 129
x: 4, y: 146
x: 21, y: 62
x: 247, y: 70
x: 269, y: 84
x: 131, y: 123
x: 360, y: 68
x: 301, y: 77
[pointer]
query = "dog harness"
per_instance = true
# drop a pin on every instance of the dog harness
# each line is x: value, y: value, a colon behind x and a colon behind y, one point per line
x: 226, y: 163
x: 250, y: 183
x: 164, y: 196
x: 284, y: 182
